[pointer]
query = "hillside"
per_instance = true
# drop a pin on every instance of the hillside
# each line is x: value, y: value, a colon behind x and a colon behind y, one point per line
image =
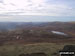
x: 18, y: 38
x: 37, y: 32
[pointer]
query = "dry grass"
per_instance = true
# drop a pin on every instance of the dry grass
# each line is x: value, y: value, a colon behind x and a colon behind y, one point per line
x: 15, y: 50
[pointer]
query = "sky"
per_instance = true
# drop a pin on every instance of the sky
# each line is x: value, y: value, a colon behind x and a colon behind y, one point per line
x: 19, y: 10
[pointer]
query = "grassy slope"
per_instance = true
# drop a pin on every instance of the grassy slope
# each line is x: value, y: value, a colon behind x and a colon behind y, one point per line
x: 15, y: 50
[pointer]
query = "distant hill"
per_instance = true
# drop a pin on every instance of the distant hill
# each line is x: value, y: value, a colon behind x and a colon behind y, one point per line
x: 45, y: 25
x: 36, y: 32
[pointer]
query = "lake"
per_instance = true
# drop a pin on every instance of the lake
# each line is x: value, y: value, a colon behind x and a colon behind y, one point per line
x: 59, y: 33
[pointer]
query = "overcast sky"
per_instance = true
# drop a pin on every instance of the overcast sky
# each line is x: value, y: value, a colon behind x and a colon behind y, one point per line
x: 37, y: 7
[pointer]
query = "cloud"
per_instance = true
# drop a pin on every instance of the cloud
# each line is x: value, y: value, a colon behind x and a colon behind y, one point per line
x: 35, y: 7
x: 1, y: 1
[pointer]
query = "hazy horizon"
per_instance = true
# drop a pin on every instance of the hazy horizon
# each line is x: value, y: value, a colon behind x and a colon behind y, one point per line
x: 21, y: 18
